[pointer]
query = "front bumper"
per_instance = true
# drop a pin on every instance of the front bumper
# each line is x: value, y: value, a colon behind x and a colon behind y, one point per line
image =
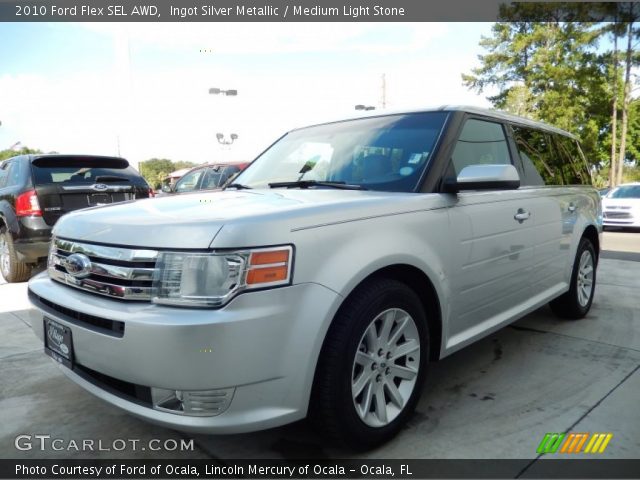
x: 264, y: 345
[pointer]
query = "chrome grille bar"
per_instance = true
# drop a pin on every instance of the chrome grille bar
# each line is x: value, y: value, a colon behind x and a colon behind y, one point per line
x: 116, y: 272
x: 107, y: 253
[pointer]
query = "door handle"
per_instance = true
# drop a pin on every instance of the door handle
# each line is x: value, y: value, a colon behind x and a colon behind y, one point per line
x: 522, y: 215
x: 572, y: 207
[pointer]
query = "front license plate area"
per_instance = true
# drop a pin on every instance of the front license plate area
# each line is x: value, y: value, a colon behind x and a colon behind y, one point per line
x: 58, y: 343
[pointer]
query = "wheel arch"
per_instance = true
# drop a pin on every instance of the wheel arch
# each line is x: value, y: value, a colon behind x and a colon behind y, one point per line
x: 421, y: 284
x: 8, y: 218
x: 591, y: 233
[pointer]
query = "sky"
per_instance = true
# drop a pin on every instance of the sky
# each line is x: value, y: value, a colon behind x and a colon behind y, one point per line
x: 142, y: 90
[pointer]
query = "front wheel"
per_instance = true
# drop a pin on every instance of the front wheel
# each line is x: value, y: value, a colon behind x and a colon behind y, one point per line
x: 372, y: 365
x: 577, y: 301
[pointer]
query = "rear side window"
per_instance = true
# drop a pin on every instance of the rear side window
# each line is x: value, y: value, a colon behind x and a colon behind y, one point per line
x: 550, y: 158
x: 52, y: 170
x: 480, y: 143
x: 574, y: 170
x: 12, y: 174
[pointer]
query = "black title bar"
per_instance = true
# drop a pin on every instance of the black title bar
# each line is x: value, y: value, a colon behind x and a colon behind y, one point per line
x: 318, y: 469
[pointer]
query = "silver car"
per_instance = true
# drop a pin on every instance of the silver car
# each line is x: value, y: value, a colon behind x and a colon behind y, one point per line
x: 326, y: 277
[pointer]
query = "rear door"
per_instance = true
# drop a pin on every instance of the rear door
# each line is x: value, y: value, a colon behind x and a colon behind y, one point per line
x: 67, y: 183
x: 549, y: 164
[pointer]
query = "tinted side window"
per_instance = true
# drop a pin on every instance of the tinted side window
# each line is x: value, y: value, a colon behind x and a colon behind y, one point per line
x: 573, y: 167
x: 4, y: 168
x: 536, y: 156
x: 556, y: 158
x: 480, y: 142
x: 13, y: 174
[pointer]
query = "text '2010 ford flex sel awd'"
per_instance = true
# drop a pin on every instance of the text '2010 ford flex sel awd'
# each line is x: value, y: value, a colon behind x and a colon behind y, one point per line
x: 324, y: 279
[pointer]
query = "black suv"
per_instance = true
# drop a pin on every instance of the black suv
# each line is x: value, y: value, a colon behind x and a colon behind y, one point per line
x: 36, y: 190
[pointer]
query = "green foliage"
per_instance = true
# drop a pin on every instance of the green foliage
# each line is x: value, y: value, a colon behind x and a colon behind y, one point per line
x: 156, y: 169
x: 4, y: 154
x: 556, y: 72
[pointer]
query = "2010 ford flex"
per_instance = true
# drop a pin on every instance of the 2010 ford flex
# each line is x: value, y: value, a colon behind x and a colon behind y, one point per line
x: 324, y: 279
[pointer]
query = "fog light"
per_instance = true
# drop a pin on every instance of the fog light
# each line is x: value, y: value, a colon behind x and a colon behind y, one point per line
x: 198, y: 403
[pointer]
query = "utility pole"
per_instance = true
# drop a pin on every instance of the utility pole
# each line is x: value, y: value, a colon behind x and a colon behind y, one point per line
x: 384, y: 91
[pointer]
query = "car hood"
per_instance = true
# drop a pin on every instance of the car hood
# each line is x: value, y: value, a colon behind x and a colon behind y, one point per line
x: 620, y: 202
x: 249, y: 217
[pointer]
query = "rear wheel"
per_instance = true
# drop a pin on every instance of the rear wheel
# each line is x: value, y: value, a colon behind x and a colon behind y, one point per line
x: 12, y: 269
x: 577, y: 301
x: 372, y: 365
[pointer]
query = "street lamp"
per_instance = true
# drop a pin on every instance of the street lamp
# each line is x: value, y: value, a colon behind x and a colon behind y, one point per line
x: 365, y: 107
x: 219, y: 91
x: 223, y: 141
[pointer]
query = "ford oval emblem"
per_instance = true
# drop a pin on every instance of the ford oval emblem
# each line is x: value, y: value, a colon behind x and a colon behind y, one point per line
x: 78, y: 265
x: 100, y: 186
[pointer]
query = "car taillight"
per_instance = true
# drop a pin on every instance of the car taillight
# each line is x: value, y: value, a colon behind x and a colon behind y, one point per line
x: 27, y: 204
x: 151, y: 193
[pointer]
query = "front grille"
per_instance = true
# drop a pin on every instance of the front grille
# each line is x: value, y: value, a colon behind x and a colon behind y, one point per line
x: 117, y: 272
x: 114, y: 328
x: 608, y: 214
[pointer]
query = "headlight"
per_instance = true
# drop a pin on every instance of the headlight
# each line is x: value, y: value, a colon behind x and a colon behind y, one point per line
x: 212, y: 279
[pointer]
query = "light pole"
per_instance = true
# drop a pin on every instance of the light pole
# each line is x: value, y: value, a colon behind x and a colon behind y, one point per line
x: 219, y: 91
x: 365, y: 107
x: 223, y: 141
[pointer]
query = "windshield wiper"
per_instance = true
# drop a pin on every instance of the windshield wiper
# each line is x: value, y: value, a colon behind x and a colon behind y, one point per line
x: 237, y: 186
x: 316, y: 183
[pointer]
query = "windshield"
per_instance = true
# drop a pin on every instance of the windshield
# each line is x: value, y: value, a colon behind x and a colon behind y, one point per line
x: 386, y: 153
x: 631, y: 191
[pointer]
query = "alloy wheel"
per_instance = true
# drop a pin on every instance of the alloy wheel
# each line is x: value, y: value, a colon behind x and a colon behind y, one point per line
x: 385, y: 368
x: 4, y: 257
x: 585, y: 278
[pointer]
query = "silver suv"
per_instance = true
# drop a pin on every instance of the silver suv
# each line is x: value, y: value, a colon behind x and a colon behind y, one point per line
x: 326, y: 277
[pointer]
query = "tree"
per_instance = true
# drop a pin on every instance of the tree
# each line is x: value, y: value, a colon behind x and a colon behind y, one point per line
x: 10, y: 152
x: 156, y: 169
x: 630, y: 16
x: 550, y: 68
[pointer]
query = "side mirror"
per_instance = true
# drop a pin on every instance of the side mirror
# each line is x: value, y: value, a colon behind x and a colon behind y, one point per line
x: 484, y: 177
x: 166, y: 188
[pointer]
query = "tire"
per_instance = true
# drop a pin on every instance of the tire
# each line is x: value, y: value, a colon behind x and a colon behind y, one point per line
x: 577, y: 301
x: 12, y: 269
x: 351, y: 373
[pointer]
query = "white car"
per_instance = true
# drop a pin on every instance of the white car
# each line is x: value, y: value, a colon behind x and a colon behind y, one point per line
x: 323, y: 280
x: 621, y: 206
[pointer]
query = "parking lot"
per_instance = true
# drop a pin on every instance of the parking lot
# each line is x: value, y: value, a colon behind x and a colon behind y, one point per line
x: 494, y: 399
